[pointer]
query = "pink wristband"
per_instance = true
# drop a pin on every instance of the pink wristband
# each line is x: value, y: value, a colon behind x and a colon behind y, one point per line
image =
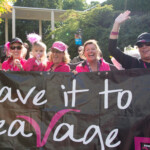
x: 114, y: 33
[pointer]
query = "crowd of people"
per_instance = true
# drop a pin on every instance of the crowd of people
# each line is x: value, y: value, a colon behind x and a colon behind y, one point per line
x: 90, y: 57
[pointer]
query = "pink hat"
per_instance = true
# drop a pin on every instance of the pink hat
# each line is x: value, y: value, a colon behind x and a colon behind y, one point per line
x: 59, y: 46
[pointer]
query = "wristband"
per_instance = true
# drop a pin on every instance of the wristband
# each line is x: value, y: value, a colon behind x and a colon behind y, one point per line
x: 114, y: 33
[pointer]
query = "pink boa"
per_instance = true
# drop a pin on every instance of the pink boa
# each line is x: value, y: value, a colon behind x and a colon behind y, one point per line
x: 33, y: 37
x: 7, y: 47
x: 117, y: 64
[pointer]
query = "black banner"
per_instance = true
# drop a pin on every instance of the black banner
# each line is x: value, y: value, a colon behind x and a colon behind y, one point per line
x: 89, y: 111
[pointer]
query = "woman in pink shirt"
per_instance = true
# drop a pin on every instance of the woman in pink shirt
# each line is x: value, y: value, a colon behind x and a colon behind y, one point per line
x: 15, y: 62
x: 93, y: 59
x: 59, y: 58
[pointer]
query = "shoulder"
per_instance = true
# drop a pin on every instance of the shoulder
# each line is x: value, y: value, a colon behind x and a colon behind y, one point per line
x: 108, y: 66
x: 49, y: 64
x: 6, y: 62
x: 82, y: 64
x: 4, y: 65
x: 66, y: 67
x: 28, y: 64
x: 82, y: 67
x: 104, y: 66
x: 31, y: 60
x: 75, y: 59
x: 23, y: 61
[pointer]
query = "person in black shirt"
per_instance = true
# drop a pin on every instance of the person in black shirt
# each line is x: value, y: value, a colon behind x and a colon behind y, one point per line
x: 78, y: 58
x: 143, y: 44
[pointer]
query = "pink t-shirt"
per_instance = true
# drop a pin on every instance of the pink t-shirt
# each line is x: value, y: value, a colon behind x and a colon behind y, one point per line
x: 8, y: 64
x: 83, y: 67
x: 32, y: 65
x: 62, y: 67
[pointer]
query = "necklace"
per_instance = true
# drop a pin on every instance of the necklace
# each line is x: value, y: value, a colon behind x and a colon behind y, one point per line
x: 89, y: 67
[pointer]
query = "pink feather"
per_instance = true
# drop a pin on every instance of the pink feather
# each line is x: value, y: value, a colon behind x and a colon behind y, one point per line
x: 7, y: 47
x: 117, y: 64
x: 33, y: 37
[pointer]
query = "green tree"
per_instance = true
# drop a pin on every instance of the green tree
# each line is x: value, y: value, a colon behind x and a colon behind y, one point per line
x: 117, y: 4
x: 132, y: 28
x: 54, y: 4
x: 74, y: 4
x: 97, y: 24
x: 93, y: 3
x: 133, y: 5
x: 5, y: 6
x: 94, y: 25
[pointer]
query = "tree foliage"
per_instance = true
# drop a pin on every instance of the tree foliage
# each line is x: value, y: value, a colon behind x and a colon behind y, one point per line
x: 74, y: 4
x: 97, y: 24
x: 133, y: 5
x: 54, y: 4
x: 27, y: 26
x: 132, y: 28
x: 94, y: 25
x: 93, y: 4
x: 5, y: 6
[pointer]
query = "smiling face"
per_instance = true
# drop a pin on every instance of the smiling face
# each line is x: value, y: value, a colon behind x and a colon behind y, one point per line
x: 144, y: 50
x: 57, y: 56
x: 90, y: 52
x: 16, y: 50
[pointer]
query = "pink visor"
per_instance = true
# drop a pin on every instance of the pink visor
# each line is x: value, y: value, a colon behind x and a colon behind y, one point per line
x: 59, y: 46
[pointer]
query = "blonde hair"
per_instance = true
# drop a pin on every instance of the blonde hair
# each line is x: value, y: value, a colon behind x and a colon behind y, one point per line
x: 24, y: 52
x: 66, y: 58
x: 48, y: 54
x: 44, y: 57
x: 92, y: 41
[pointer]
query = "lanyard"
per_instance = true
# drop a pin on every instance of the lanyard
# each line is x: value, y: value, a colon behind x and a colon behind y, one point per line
x: 12, y: 66
x: 53, y: 69
x: 89, y: 67
x: 145, y: 65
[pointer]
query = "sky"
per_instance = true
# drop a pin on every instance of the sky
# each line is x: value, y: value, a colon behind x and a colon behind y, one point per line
x: 88, y: 1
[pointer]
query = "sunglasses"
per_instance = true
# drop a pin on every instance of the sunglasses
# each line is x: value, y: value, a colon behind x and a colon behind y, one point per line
x: 56, y: 51
x: 15, y: 47
x: 142, y: 44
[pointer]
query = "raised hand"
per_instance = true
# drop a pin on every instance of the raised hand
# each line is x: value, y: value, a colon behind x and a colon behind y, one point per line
x: 118, y: 21
x: 18, y: 64
x: 38, y: 59
x: 123, y: 17
x: 75, y: 72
